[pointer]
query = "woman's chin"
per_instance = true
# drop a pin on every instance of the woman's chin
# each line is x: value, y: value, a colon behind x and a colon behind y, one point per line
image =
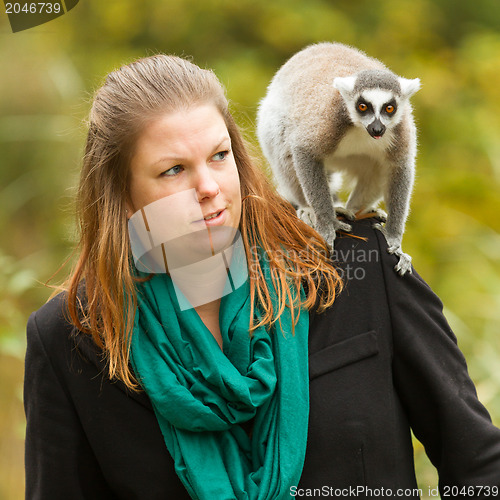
x: 198, y: 246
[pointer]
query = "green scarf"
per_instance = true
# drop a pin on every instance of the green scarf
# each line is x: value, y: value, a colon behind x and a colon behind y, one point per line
x: 202, y: 395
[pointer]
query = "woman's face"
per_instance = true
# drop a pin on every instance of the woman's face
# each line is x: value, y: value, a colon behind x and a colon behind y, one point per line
x: 184, y: 158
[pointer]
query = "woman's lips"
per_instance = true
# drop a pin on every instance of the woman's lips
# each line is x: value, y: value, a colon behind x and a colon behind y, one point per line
x: 214, y: 219
x: 218, y: 220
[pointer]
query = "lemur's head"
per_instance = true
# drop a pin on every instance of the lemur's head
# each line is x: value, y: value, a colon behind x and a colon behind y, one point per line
x: 376, y: 99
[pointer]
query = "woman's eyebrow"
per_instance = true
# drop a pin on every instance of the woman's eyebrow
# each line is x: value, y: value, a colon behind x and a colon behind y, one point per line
x: 175, y: 158
x: 225, y: 139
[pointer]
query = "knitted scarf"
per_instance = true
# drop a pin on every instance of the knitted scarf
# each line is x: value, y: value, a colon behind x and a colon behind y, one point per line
x: 206, y: 398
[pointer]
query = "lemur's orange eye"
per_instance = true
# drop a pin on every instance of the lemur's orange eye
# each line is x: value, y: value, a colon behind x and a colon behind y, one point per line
x: 389, y: 109
x: 362, y: 106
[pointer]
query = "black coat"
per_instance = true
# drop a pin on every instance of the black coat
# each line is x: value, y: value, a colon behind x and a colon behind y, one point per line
x: 382, y: 360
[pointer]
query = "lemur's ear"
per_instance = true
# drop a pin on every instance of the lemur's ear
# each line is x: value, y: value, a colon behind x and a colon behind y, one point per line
x: 345, y: 85
x: 409, y: 87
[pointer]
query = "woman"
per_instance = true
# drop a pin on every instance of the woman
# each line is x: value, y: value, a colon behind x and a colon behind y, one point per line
x: 262, y: 387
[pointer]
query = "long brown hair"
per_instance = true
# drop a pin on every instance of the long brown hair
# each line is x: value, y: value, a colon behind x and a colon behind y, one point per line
x: 101, y: 289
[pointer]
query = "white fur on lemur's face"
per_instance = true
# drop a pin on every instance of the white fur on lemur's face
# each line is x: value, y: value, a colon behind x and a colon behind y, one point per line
x: 376, y: 109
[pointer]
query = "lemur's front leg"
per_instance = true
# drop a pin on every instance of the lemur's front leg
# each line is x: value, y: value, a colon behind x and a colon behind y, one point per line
x: 312, y: 177
x: 397, y: 201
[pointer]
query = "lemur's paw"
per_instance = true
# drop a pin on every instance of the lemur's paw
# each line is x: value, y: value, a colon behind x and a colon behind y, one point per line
x: 330, y: 230
x: 346, y: 213
x: 342, y: 226
x: 329, y: 235
x: 378, y: 214
x: 307, y: 215
x: 379, y: 226
x: 394, y: 247
x: 404, y: 263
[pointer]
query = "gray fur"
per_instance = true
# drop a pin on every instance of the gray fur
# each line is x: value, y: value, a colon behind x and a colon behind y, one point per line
x: 371, y: 79
x: 309, y: 126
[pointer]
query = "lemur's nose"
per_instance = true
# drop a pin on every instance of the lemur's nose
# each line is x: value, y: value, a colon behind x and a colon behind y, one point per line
x: 376, y: 129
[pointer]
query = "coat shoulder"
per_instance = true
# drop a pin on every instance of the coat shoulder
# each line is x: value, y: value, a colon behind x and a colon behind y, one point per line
x: 366, y: 247
x: 364, y: 250
x: 363, y: 233
x: 52, y: 326
x: 53, y: 316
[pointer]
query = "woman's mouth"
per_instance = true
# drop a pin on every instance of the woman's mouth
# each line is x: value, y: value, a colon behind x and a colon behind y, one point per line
x: 213, y: 216
x: 214, y: 219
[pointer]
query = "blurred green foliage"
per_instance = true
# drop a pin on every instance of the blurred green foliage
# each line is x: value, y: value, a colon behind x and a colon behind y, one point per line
x: 49, y: 73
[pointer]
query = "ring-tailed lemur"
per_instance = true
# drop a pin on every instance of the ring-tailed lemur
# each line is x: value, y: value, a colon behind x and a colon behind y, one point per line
x: 331, y: 108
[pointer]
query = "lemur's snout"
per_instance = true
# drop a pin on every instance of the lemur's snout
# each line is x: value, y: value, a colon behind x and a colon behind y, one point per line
x: 376, y: 129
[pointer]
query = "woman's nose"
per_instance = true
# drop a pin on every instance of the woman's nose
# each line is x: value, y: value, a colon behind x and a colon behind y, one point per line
x: 206, y: 185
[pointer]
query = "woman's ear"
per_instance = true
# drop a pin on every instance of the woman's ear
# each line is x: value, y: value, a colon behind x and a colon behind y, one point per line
x: 129, y: 209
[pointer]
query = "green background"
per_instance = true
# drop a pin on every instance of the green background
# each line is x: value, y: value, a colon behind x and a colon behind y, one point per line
x: 46, y: 83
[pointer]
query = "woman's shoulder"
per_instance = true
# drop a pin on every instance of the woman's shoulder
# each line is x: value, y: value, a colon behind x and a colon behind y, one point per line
x: 52, y: 327
x: 362, y: 255
x: 363, y: 249
x: 48, y: 335
x: 364, y: 235
x: 52, y: 316
x: 363, y: 260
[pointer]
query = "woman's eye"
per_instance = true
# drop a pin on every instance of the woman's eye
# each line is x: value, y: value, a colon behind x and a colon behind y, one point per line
x: 220, y: 156
x: 172, y: 171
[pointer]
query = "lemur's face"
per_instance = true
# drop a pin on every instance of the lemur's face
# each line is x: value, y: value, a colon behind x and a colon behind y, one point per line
x: 376, y: 110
